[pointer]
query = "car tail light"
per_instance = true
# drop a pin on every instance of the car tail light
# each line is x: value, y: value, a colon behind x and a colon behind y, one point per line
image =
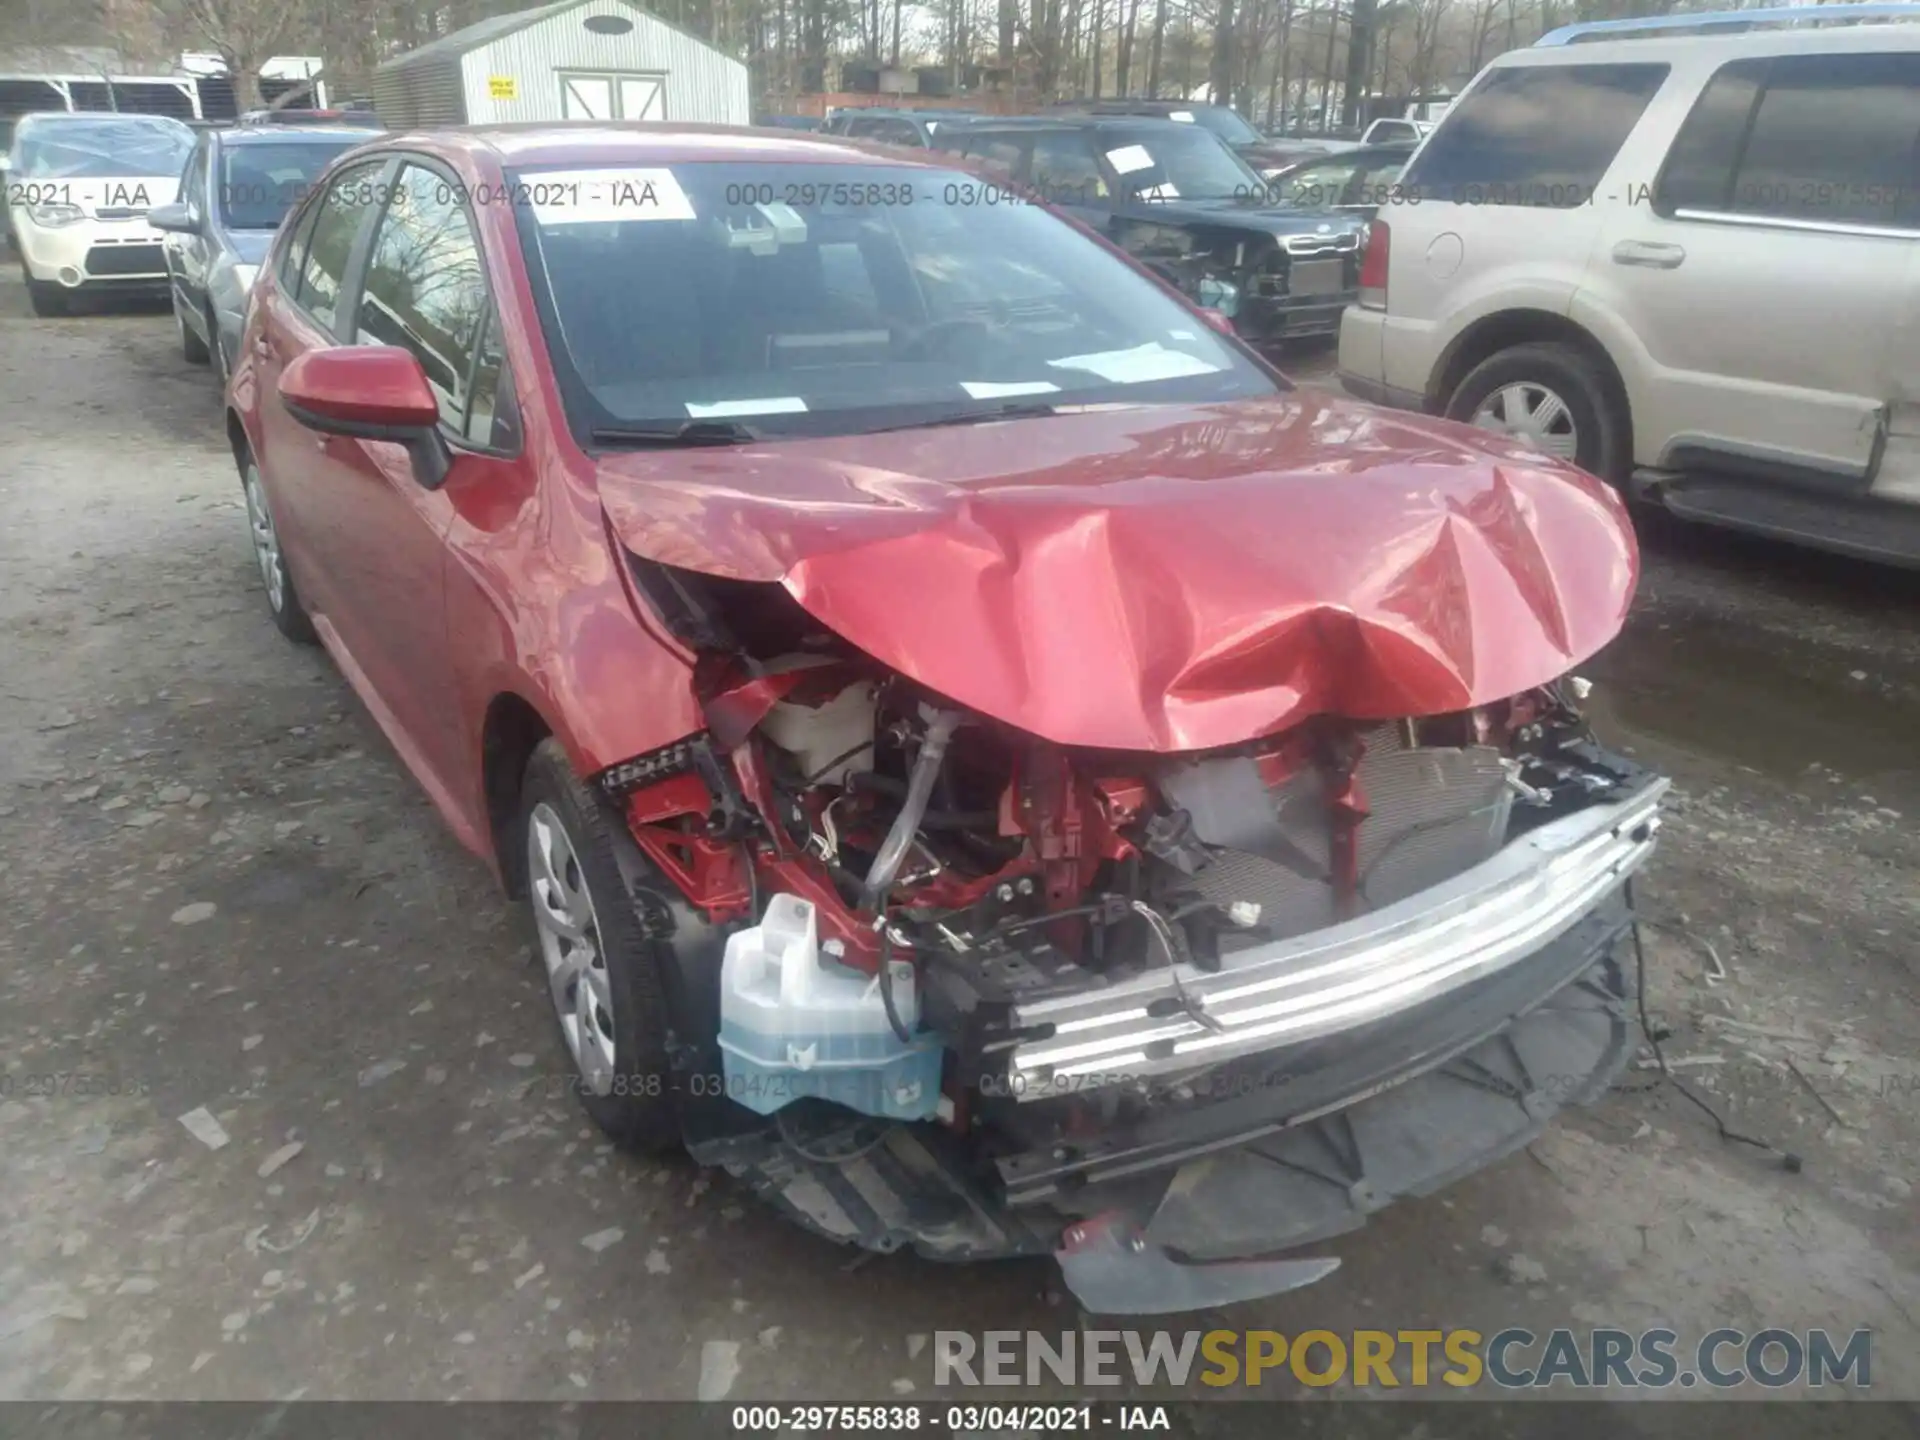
x: 1373, y: 267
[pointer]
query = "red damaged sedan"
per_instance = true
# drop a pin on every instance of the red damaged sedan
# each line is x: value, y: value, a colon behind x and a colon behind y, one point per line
x: 987, y: 761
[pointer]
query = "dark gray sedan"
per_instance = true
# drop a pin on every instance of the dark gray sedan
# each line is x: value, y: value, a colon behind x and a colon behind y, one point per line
x: 238, y: 186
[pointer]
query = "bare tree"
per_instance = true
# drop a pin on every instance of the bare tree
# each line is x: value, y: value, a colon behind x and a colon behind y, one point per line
x: 245, y: 34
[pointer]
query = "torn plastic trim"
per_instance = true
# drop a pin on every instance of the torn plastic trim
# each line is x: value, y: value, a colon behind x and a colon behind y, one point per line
x: 1344, y: 976
x: 1113, y: 1269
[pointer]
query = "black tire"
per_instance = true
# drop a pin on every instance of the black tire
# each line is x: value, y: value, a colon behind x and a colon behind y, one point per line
x: 638, y: 1111
x: 192, y: 348
x: 290, y: 616
x: 1603, y: 441
x: 49, y: 301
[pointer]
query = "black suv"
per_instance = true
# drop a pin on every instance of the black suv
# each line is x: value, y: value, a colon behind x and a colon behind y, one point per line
x: 1179, y: 200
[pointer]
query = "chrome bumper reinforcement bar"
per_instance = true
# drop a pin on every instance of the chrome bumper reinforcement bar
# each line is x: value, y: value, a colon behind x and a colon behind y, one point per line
x: 1363, y: 970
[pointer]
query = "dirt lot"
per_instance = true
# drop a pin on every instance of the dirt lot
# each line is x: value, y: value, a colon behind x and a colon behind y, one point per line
x: 222, y: 892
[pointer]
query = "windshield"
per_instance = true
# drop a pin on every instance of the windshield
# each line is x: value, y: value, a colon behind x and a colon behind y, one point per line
x: 102, y: 149
x: 259, y: 183
x: 1171, y: 162
x: 837, y: 299
x: 1341, y: 180
x: 1223, y: 122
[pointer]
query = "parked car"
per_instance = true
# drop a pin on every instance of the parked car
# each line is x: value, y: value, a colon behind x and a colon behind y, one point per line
x: 79, y: 187
x: 987, y: 761
x: 236, y: 188
x: 1182, y: 201
x: 297, y: 115
x: 1357, y: 181
x: 1051, y: 818
x: 1389, y: 130
x: 1685, y: 263
x: 912, y: 128
x: 1262, y: 152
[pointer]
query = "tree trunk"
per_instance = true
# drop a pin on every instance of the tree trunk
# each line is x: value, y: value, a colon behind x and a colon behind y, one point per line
x: 1220, y: 73
x: 1123, y: 63
x: 1153, y: 49
x: 1277, y: 94
x: 1094, y: 37
x: 244, y: 71
x: 1326, y: 82
x: 1359, y: 61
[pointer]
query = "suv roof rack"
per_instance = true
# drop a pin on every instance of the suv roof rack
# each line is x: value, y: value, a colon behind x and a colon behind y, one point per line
x: 1729, y: 20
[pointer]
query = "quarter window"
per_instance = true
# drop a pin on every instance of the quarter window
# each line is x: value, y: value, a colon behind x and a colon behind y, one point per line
x: 425, y: 289
x: 1535, y: 135
x: 329, y: 243
x: 1824, y: 138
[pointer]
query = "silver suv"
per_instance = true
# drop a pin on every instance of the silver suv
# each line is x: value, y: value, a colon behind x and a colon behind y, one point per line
x: 1686, y: 263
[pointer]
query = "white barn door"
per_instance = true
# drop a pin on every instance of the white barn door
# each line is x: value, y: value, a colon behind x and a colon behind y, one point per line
x: 586, y: 97
x: 642, y: 97
x: 612, y: 96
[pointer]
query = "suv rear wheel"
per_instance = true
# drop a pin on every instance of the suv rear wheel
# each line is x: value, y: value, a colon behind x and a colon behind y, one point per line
x: 1553, y: 397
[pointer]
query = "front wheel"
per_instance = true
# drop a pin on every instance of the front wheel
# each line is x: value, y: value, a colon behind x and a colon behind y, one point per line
x: 604, y: 976
x: 1554, y: 398
x: 48, y: 300
x: 192, y: 348
x: 283, y: 601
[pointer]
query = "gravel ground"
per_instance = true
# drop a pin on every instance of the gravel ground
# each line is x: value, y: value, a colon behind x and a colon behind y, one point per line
x: 223, y: 893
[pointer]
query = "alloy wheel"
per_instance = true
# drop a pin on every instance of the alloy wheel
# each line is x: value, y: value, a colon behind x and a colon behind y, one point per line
x: 1530, y: 412
x: 571, y: 948
x: 266, y: 541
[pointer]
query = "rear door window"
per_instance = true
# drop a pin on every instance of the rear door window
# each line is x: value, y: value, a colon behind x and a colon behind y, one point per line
x: 1826, y: 139
x: 1001, y: 152
x: 1535, y: 135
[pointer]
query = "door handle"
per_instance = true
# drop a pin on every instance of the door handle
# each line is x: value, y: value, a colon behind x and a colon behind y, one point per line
x: 263, y: 347
x: 1650, y: 253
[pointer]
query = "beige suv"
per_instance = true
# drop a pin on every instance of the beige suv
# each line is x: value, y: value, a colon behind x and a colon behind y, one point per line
x: 1685, y: 262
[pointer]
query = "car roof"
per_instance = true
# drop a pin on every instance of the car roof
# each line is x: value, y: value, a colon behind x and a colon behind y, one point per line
x: 1082, y: 120
x: 587, y: 142
x: 1141, y: 106
x: 282, y: 134
x: 1654, y: 47
x: 37, y: 118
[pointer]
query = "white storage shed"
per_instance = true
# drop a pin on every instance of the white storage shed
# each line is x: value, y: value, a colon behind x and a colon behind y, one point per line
x: 574, y: 60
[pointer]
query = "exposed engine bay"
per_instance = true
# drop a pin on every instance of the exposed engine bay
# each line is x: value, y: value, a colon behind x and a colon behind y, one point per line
x: 1030, y: 953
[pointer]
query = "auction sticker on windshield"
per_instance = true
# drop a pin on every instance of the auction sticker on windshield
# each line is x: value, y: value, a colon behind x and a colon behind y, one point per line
x: 596, y: 197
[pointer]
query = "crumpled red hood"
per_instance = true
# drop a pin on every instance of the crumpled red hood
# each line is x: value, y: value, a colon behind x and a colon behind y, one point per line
x: 1170, y: 577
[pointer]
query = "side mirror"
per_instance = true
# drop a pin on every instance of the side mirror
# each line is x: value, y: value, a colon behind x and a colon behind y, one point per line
x: 176, y: 218
x: 370, y: 392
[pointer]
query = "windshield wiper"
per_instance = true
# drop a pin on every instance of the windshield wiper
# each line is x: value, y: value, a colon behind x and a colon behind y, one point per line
x: 684, y: 432
x: 1014, y: 410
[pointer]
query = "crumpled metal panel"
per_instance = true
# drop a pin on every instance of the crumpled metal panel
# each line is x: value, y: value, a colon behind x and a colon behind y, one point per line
x: 1169, y: 577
